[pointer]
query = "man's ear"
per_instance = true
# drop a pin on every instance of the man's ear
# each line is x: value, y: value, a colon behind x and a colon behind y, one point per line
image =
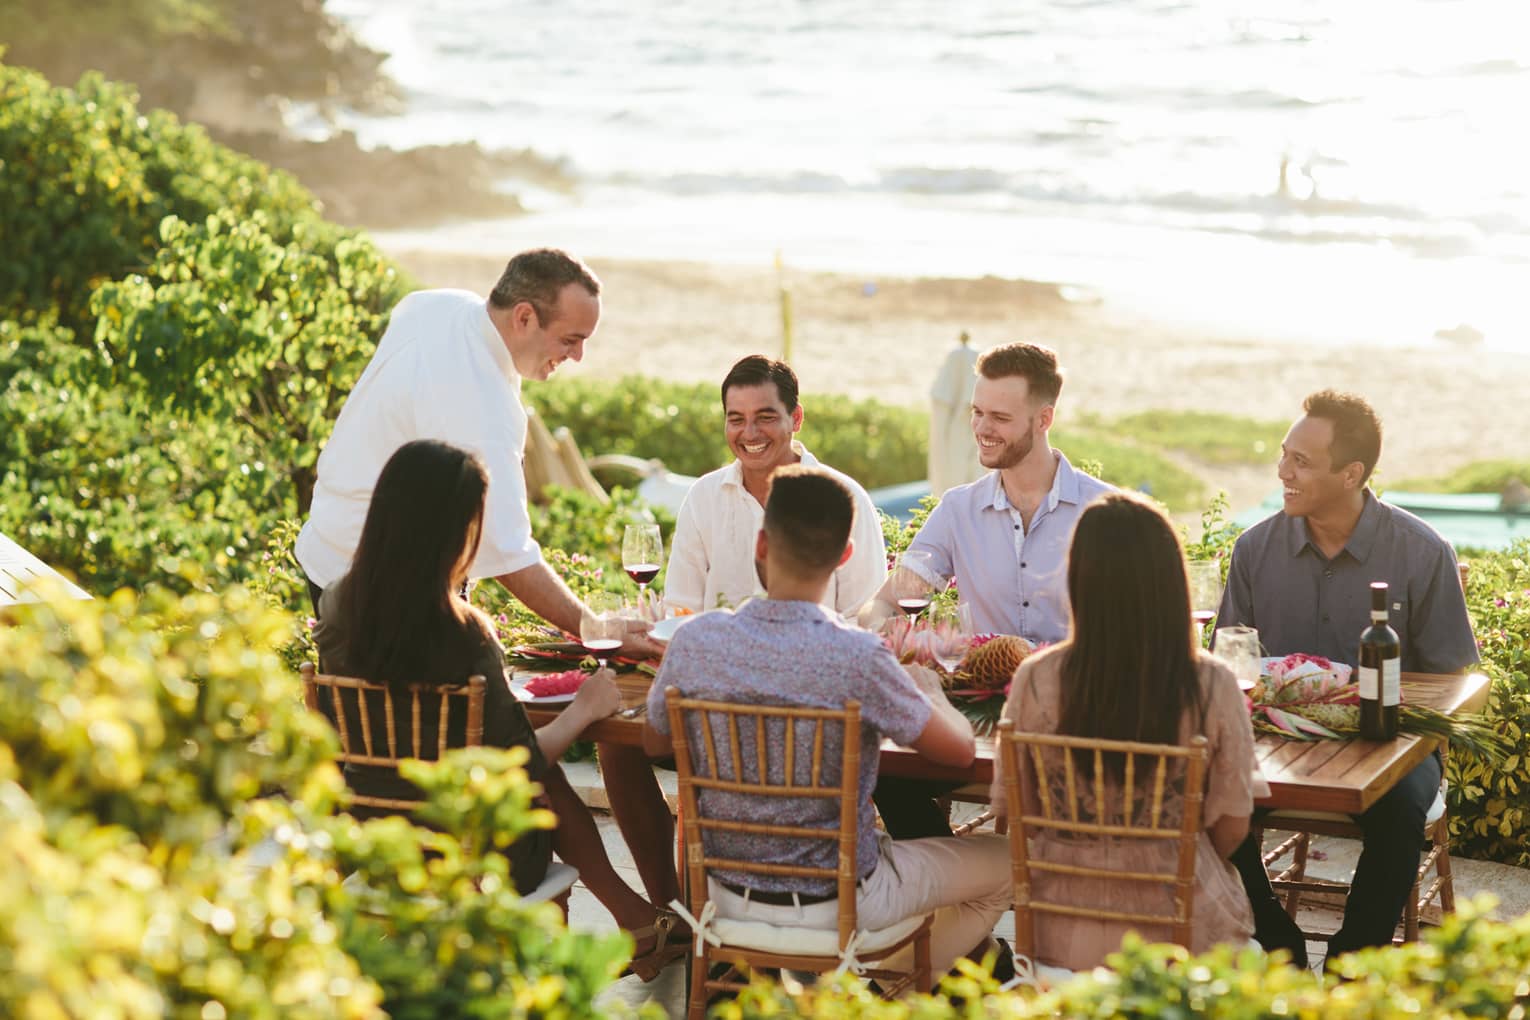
x: 849, y: 548
x: 797, y: 418
x: 524, y: 314
x: 1354, y: 475
x: 1045, y: 416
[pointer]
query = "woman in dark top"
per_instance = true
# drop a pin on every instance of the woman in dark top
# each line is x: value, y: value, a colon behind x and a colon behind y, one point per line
x: 398, y: 617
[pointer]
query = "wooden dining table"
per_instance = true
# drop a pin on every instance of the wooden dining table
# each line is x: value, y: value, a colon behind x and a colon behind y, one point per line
x: 1345, y: 776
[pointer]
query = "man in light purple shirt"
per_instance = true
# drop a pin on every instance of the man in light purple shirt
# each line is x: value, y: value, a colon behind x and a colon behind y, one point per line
x: 1004, y: 537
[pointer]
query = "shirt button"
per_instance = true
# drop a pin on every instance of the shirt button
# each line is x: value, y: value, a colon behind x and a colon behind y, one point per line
x: 1022, y: 566
x: 1328, y: 573
x: 1017, y: 527
x: 1326, y: 618
x: 1026, y: 604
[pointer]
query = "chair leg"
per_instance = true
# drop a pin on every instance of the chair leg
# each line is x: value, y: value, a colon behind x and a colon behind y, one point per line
x: 1442, y: 866
x: 924, y: 980
x: 1299, y: 872
x: 696, y: 1006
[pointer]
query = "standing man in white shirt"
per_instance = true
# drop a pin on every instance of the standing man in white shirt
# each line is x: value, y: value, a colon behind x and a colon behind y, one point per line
x: 711, y: 559
x: 449, y: 367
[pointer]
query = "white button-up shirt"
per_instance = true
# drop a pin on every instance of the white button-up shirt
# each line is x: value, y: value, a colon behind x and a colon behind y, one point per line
x: 441, y: 371
x: 1015, y: 580
x: 711, y: 558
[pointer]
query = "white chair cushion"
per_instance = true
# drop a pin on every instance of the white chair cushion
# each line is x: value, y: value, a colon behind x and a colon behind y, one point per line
x: 560, y: 878
x: 1273, y: 819
x: 773, y: 938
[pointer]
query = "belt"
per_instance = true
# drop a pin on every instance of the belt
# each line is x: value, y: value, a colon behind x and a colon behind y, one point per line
x: 777, y: 899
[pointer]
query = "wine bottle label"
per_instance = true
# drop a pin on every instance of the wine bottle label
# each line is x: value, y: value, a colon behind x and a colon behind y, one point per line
x: 1368, y: 683
x: 1391, y: 682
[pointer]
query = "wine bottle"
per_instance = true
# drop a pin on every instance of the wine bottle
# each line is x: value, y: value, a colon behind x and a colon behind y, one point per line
x: 1380, y: 672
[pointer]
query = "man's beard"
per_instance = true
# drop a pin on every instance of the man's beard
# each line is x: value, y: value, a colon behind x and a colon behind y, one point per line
x: 1014, y: 453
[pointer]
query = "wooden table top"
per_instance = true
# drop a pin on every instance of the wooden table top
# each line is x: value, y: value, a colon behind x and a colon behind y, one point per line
x: 1319, y: 775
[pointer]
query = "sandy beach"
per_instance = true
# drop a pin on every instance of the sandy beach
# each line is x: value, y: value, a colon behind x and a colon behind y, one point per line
x: 1441, y: 407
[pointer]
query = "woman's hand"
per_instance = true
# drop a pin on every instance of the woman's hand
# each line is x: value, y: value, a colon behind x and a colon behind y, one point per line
x: 598, y: 696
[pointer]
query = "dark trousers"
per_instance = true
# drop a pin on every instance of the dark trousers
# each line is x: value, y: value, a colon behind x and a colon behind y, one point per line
x: 1393, y: 836
x: 314, y: 594
x: 908, y: 806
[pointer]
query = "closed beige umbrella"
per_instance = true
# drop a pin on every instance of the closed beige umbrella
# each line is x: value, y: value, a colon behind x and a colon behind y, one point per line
x: 953, y: 458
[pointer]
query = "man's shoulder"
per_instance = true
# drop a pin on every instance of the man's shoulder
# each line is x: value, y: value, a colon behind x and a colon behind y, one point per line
x: 977, y: 493
x: 1262, y: 533
x: 1411, y: 529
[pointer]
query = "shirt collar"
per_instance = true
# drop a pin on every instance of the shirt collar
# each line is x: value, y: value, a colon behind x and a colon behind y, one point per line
x: 735, y: 472
x: 496, y: 346
x: 1361, y: 541
x: 770, y: 610
x: 1065, y: 488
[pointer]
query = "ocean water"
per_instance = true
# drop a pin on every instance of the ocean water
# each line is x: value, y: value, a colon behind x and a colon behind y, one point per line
x: 1348, y: 172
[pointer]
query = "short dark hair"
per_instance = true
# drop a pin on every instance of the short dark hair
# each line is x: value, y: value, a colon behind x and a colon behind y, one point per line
x: 1356, y: 428
x: 808, y: 515
x: 538, y: 278
x: 756, y: 370
x: 1036, y: 364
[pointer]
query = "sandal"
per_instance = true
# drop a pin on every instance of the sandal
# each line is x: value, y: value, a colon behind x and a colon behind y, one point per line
x: 669, y: 945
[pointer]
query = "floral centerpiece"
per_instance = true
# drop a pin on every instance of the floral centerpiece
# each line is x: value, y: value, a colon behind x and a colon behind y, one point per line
x: 978, y: 685
x: 1308, y: 697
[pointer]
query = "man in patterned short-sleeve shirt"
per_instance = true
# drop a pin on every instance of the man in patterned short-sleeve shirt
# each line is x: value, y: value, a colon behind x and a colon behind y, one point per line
x: 787, y: 649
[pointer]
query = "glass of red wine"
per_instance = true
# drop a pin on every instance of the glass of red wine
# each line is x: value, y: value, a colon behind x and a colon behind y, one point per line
x: 1205, y: 593
x: 911, y: 585
x: 602, y: 625
x: 642, y: 555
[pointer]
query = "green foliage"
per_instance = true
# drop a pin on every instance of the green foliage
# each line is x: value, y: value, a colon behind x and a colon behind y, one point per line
x: 233, y: 324
x: 1490, y: 801
x: 681, y: 424
x: 1469, y: 967
x: 87, y: 180
x: 1209, y: 437
x: 1478, y: 476
x: 1129, y: 466
x: 165, y: 847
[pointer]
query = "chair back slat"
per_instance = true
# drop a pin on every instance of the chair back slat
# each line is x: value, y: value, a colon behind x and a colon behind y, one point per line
x: 775, y: 775
x: 348, y: 695
x: 1114, y: 815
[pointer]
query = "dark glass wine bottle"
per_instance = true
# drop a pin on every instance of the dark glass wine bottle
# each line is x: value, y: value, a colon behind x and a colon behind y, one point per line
x: 1380, y: 672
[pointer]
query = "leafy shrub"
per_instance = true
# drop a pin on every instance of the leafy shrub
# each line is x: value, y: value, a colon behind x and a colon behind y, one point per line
x: 232, y: 324
x: 115, y: 493
x: 1490, y: 802
x: 88, y: 178
x: 1209, y: 437
x: 1478, y: 476
x: 681, y: 424
x: 1469, y: 967
x: 166, y: 851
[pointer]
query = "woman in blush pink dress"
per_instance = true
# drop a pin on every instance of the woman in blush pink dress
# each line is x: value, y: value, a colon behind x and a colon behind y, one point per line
x: 1130, y: 669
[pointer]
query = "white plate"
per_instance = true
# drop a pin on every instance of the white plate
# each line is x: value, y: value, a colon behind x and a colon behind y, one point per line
x: 665, y: 628
x: 518, y: 688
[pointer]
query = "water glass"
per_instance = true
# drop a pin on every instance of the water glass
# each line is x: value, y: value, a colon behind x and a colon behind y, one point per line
x: 1238, y: 647
x: 950, y: 634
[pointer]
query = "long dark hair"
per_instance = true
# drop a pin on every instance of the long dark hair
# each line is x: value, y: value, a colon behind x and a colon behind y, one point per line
x: 1129, y: 666
x: 399, y: 600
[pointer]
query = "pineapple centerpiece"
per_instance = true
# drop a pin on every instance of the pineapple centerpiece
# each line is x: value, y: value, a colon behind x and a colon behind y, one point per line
x: 991, y: 664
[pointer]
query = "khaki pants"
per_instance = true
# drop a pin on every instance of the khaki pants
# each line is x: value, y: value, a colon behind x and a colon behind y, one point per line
x: 964, y: 881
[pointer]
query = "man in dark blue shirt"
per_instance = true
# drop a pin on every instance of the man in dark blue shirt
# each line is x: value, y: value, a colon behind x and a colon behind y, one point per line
x: 1302, y: 576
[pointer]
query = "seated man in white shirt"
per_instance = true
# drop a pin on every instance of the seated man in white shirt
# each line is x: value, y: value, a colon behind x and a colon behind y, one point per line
x: 711, y: 559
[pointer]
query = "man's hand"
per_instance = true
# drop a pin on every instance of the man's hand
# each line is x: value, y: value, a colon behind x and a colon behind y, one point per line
x: 638, y: 645
x: 598, y: 696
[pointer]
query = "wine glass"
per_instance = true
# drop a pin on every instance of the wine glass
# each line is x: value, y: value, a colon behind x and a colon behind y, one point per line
x: 602, y: 627
x: 1238, y: 647
x: 910, y: 586
x: 1205, y: 591
x: 950, y: 634
x: 642, y: 552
